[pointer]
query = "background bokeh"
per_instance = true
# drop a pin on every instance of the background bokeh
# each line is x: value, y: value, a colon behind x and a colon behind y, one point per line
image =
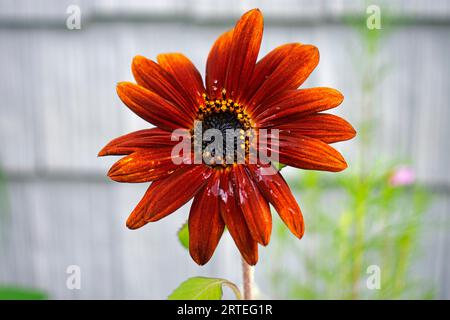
x: 59, y: 107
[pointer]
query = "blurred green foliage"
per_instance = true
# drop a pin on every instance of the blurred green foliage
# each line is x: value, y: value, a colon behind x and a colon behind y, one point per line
x: 351, y: 224
x: 355, y: 219
x: 12, y: 292
x: 202, y: 288
x: 17, y: 293
x: 183, y: 235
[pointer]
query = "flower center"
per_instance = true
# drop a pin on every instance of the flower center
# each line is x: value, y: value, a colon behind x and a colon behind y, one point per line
x: 226, y: 131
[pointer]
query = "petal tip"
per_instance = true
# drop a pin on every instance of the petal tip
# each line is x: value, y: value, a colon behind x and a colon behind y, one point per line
x: 251, y: 260
x: 254, y: 11
x: 138, y: 59
x: 139, y: 63
x: 134, y: 224
x: 299, y: 232
x: 312, y: 51
x: 103, y: 152
x: 264, y: 242
x: 114, y: 174
x: 122, y: 86
x: 352, y: 131
x: 337, y: 96
x: 342, y: 166
x: 201, y: 260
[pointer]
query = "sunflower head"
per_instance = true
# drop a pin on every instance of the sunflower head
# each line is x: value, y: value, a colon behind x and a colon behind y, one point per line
x: 242, y: 104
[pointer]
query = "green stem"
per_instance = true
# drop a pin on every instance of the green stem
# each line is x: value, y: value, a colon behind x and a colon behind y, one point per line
x: 235, y: 289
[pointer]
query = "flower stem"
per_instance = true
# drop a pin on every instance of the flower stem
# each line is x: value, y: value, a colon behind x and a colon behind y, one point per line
x: 247, y: 275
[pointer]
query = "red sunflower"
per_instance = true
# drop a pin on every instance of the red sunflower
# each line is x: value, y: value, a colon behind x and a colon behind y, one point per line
x: 240, y: 93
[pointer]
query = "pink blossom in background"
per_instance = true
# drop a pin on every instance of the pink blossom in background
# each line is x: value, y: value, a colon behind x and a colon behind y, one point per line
x: 402, y: 176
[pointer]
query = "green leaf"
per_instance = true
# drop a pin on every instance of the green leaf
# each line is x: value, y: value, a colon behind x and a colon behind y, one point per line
x: 201, y: 288
x: 16, y: 293
x: 183, y: 235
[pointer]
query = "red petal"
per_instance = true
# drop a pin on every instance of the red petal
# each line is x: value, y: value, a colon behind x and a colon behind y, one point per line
x: 167, y: 195
x: 255, y: 208
x: 205, y: 222
x: 186, y: 74
x: 305, y: 153
x: 277, y: 192
x: 152, y: 76
x: 217, y: 64
x: 244, y: 51
x: 296, y: 104
x: 152, y: 108
x: 325, y: 127
x: 290, y: 73
x: 146, y: 165
x: 137, y: 140
x: 266, y: 66
x: 235, y: 221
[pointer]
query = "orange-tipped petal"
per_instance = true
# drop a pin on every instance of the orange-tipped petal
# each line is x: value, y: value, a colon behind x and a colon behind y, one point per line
x: 296, y: 104
x: 146, y: 165
x: 235, y: 221
x: 137, y: 218
x: 186, y: 74
x: 151, y: 107
x: 244, y: 51
x: 305, y: 153
x: 205, y: 222
x: 277, y: 192
x: 152, y: 76
x: 325, y: 127
x: 255, y: 208
x: 137, y: 140
x: 217, y: 64
x: 166, y: 195
x: 290, y: 73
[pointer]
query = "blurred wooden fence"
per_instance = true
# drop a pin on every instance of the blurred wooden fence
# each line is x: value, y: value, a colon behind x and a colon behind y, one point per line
x: 59, y: 107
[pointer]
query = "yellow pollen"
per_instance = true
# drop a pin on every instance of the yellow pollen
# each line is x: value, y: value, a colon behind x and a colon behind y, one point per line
x: 224, y: 105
